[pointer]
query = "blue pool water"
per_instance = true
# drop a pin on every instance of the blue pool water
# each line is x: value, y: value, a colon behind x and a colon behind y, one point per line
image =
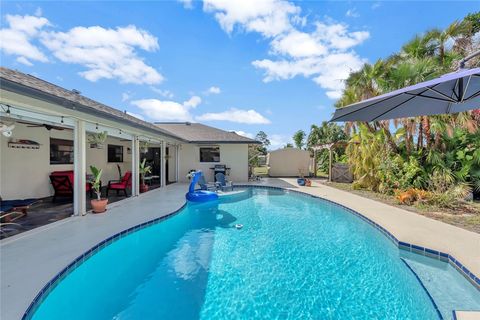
x: 296, y: 257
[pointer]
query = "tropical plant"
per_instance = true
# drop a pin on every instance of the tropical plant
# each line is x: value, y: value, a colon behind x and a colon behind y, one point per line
x: 97, y: 139
x: 96, y: 183
x: 299, y: 139
x: 144, y: 169
x: 437, y: 154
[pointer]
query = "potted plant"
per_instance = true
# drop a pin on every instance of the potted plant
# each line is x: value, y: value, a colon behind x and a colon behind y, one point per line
x: 143, y: 171
x: 99, y: 205
x: 96, y: 140
x: 144, y: 146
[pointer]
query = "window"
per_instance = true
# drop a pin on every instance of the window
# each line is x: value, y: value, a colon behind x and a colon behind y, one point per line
x: 61, y: 151
x: 115, y: 153
x: 210, y: 154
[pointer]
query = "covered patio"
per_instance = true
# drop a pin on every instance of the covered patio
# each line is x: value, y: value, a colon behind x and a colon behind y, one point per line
x: 55, y: 136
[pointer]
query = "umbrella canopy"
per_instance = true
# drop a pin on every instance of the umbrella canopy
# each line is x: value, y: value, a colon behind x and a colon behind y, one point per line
x: 453, y: 92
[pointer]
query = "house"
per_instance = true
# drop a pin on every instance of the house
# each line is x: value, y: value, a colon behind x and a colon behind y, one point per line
x: 207, y: 147
x: 47, y: 128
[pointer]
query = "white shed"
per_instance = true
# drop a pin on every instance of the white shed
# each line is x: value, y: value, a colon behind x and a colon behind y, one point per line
x: 288, y: 162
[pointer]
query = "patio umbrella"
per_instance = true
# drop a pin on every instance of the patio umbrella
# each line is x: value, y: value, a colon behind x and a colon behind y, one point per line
x: 453, y: 92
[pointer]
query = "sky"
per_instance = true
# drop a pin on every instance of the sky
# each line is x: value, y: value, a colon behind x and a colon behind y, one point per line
x: 245, y: 66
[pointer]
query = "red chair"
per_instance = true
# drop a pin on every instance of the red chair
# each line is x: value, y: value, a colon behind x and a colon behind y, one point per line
x: 62, y: 183
x: 121, y: 185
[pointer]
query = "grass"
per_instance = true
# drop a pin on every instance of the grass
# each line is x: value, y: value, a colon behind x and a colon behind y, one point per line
x: 465, y: 216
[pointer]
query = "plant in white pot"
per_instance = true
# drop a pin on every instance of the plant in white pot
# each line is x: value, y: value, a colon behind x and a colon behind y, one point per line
x: 143, y: 169
x: 96, y: 140
x: 99, y: 205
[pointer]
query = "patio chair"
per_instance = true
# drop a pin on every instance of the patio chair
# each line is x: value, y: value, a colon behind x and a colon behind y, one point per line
x: 18, y: 207
x: 120, y: 185
x: 62, y: 183
x: 222, y: 182
x: 210, y: 186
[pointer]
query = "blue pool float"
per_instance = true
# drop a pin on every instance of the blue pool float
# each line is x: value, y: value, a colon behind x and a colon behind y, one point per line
x: 199, y: 195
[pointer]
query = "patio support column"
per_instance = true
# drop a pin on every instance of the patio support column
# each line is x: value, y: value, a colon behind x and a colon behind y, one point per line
x: 177, y: 163
x: 163, y: 175
x: 135, y: 166
x: 330, y: 164
x: 79, y: 164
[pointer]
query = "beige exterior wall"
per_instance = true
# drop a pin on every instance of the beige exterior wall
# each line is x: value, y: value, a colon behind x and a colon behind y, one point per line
x: 234, y: 156
x: 25, y: 172
x: 288, y: 162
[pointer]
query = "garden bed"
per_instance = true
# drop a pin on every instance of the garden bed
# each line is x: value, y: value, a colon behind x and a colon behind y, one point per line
x: 466, y: 215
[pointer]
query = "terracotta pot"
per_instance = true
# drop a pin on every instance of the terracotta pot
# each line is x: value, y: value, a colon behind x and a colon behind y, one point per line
x: 143, y: 188
x: 308, y: 183
x: 99, y: 206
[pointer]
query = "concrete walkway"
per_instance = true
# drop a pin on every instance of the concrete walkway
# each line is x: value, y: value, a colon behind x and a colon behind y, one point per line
x: 28, y: 261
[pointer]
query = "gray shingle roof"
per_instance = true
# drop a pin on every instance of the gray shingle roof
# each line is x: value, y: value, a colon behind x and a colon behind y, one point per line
x: 29, y: 85
x: 200, y: 133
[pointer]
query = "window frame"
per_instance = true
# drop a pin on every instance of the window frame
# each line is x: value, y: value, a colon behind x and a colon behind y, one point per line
x: 209, y: 147
x: 59, y: 143
x: 116, y: 153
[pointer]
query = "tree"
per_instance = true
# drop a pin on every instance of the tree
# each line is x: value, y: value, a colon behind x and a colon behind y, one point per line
x: 299, y: 139
x: 256, y: 150
x: 263, y: 138
x: 288, y: 145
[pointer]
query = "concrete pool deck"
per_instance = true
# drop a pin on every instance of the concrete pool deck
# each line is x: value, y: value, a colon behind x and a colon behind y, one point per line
x: 29, y: 260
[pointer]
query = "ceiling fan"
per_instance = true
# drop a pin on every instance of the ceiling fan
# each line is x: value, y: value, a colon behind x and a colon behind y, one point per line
x: 46, y: 126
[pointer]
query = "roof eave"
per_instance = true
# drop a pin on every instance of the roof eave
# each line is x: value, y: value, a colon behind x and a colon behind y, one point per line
x: 19, y: 88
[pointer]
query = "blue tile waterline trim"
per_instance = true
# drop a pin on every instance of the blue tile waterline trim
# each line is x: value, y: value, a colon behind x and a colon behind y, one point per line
x: 400, y: 244
x: 424, y: 288
x: 43, y: 293
x: 464, y: 271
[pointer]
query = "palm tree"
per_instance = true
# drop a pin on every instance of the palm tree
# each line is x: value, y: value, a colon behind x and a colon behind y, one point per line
x: 441, y: 37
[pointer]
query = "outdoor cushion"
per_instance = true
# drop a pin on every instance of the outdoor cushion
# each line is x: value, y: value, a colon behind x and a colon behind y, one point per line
x: 7, y: 205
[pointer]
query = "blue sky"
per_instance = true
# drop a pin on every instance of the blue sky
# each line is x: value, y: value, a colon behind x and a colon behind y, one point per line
x: 270, y: 65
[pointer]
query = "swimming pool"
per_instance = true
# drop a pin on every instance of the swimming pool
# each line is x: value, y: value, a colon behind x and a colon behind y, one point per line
x: 296, y: 257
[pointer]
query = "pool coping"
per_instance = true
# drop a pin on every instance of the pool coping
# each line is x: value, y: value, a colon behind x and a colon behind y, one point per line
x: 51, y: 284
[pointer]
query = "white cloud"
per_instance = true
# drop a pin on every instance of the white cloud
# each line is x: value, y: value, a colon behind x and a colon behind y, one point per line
x: 268, y: 17
x: 214, y: 90
x: 187, y: 4
x: 244, y: 134
x: 159, y: 110
x: 352, y: 13
x: 106, y: 53
x: 298, y: 44
x: 126, y: 96
x: 336, y: 36
x: 324, y: 55
x: 328, y: 71
x: 166, y: 110
x: 193, y: 102
x: 17, y: 38
x: 278, y: 141
x: 376, y: 5
x: 235, y: 115
x: 136, y: 115
x: 24, y: 61
x: 164, y: 93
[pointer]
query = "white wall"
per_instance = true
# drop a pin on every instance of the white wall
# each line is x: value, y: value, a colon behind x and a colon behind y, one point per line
x: 288, y: 162
x: 99, y: 159
x: 235, y: 156
x: 24, y: 173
